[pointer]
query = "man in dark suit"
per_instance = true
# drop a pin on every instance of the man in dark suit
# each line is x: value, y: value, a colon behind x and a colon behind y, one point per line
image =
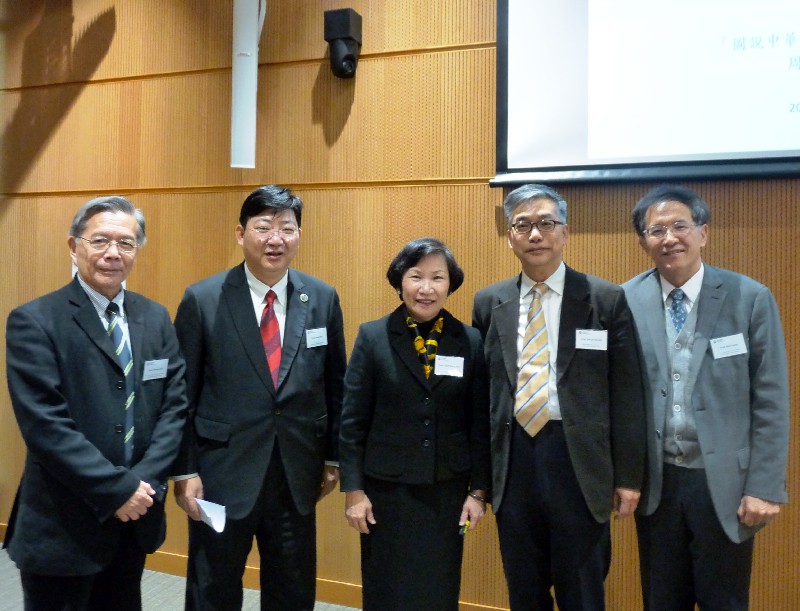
x: 717, y: 396
x: 100, y: 401
x: 566, y: 412
x: 265, y: 355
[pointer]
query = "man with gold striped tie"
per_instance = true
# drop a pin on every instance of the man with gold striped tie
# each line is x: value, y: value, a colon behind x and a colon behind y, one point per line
x: 567, y: 416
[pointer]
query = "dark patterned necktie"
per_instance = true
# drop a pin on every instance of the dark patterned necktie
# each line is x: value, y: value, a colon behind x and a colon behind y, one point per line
x: 125, y: 361
x: 677, y: 310
x: 271, y: 336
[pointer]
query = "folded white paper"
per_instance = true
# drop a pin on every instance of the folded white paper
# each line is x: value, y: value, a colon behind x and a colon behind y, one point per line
x: 212, y: 514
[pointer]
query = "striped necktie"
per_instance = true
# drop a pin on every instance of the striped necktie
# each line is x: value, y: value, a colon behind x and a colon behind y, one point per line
x: 271, y: 336
x: 531, y: 404
x: 125, y: 361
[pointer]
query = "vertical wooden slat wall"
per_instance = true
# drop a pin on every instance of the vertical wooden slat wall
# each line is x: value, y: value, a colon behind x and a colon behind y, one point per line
x: 132, y: 97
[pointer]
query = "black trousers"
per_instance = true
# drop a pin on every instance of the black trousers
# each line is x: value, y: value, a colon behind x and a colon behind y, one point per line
x: 548, y: 537
x: 117, y: 586
x: 684, y: 554
x: 286, y: 543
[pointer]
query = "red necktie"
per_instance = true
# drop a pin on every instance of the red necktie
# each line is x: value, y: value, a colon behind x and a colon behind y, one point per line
x: 271, y: 336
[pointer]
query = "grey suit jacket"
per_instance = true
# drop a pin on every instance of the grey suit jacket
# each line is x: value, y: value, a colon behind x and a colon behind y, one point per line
x: 67, y: 391
x: 741, y: 402
x: 599, y: 391
x: 235, y: 414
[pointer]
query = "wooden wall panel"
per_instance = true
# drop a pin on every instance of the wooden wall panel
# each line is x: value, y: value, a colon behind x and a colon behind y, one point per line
x: 102, y: 39
x: 174, y: 131
x: 403, y: 150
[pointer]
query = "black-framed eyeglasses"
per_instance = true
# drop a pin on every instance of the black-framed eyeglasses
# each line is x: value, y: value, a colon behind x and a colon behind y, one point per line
x: 102, y: 244
x: 543, y: 225
x: 678, y: 229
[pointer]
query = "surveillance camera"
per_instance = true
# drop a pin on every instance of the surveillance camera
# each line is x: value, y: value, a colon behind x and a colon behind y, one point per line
x: 343, y: 34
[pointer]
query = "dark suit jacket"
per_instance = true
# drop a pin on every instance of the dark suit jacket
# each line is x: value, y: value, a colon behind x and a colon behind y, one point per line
x: 599, y: 392
x: 741, y: 402
x: 235, y: 414
x: 67, y: 390
x: 399, y: 426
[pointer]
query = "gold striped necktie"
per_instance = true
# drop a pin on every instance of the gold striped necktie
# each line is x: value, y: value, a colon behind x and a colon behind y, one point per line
x: 531, y: 404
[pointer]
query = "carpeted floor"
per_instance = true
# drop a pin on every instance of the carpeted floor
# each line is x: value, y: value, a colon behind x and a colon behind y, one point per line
x: 160, y: 592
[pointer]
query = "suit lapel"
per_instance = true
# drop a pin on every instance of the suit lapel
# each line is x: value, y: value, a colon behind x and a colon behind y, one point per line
x: 575, y: 313
x: 402, y: 343
x: 647, y: 302
x: 237, y: 297
x: 297, y: 304
x: 506, y: 317
x: 136, y: 324
x: 87, y: 319
x: 709, y: 304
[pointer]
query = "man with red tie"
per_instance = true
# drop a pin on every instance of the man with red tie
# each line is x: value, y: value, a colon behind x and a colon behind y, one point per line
x: 265, y: 355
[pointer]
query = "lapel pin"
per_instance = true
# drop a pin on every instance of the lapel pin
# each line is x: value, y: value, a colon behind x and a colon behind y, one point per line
x: 303, y: 297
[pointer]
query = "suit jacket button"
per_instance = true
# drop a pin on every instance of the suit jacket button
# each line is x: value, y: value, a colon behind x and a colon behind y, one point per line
x: 426, y: 443
x: 120, y: 385
x: 427, y: 422
x: 277, y: 412
x: 118, y: 428
x: 508, y: 426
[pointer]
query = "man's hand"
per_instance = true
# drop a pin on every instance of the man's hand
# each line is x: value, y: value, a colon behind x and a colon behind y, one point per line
x: 625, y: 501
x: 358, y: 510
x: 754, y: 511
x: 186, y: 491
x: 330, y: 477
x: 136, y: 506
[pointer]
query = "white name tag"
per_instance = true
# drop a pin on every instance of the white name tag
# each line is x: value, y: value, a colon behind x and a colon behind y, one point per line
x: 449, y: 366
x: 728, y: 346
x: 155, y: 370
x: 591, y: 339
x: 316, y: 337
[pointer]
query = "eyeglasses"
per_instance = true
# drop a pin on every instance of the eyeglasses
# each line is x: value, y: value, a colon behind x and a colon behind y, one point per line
x: 678, y: 229
x: 264, y: 232
x: 102, y: 244
x: 543, y: 225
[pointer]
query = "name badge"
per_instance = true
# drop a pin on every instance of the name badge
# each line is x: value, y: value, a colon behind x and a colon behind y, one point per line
x: 730, y: 345
x: 155, y: 370
x: 316, y: 337
x: 591, y: 339
x: 449, y: 366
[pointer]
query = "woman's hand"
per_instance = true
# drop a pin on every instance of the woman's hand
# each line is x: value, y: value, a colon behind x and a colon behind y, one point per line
x: 473, y: 509
x: 358, y: 511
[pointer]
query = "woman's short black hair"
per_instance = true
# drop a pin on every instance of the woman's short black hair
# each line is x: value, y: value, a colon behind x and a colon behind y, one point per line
x: 413, y: 252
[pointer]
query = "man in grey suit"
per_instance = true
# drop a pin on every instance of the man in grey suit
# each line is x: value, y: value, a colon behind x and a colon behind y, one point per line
x: 96, y: 382
x: 265, y: 361
x: 717, y: 406
x: 567, y: 423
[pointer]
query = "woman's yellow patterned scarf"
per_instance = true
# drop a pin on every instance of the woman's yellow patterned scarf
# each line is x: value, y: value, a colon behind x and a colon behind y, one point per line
x: 426, y: 348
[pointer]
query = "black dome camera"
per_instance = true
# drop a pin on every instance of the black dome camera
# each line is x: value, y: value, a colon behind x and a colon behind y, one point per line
x: 343, y: 34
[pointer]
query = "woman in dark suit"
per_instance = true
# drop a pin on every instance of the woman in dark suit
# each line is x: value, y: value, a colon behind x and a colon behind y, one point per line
x: 414, y: 440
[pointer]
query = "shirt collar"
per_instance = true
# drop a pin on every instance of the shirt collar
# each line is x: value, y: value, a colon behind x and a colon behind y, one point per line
x: 555, y: 282
x: 100, y: 302
x: 259, y: 289
x: 691, y: 288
